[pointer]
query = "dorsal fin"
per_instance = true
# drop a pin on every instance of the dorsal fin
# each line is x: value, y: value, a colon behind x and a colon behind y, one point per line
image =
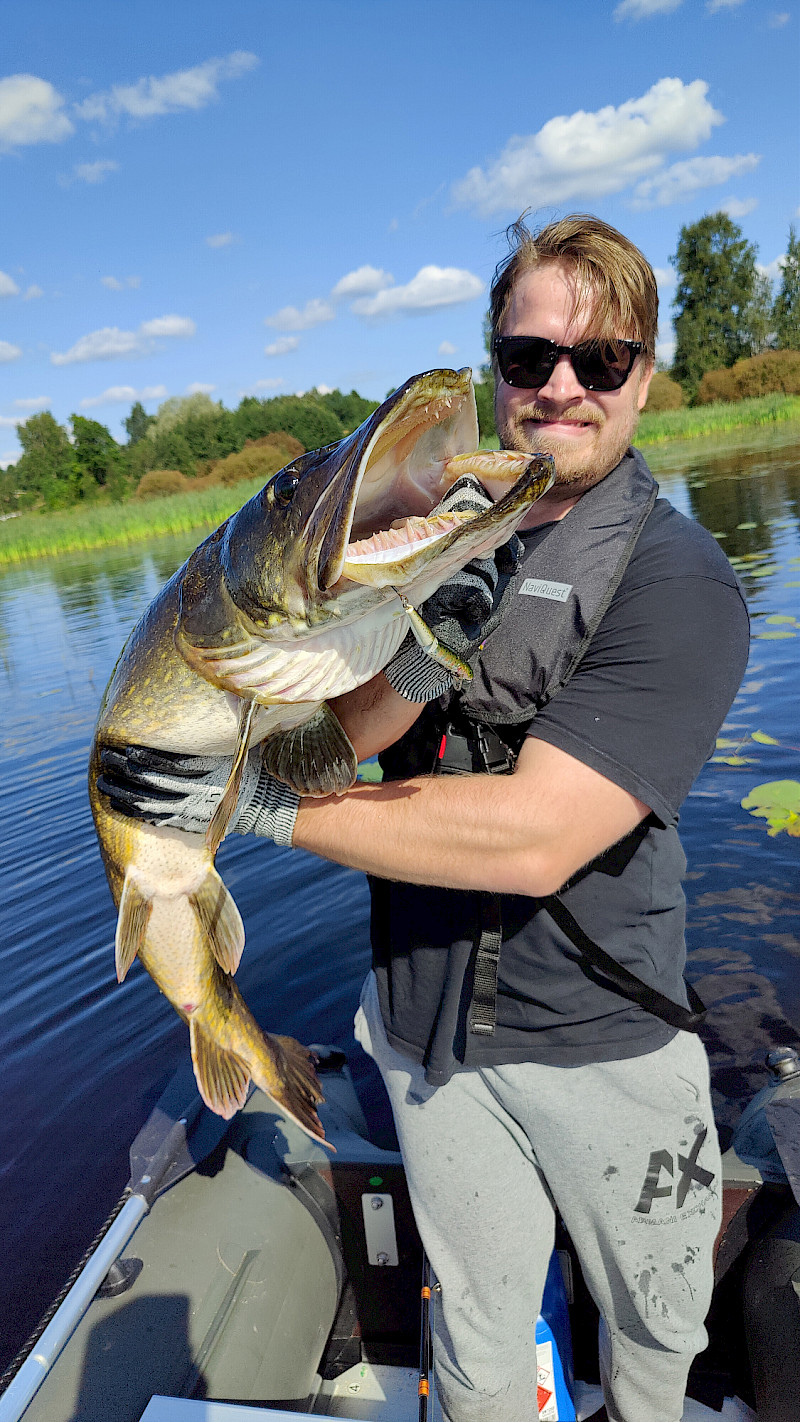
x: 223, y: 1078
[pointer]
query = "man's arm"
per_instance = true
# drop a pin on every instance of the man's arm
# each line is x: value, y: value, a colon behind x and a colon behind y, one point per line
x: 525, y: 833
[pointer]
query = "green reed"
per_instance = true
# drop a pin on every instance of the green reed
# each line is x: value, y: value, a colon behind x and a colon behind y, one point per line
x: 99, y: 525
x: 656, y: 427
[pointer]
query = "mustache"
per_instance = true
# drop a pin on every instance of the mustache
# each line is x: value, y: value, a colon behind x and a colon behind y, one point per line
x: 576, y: 416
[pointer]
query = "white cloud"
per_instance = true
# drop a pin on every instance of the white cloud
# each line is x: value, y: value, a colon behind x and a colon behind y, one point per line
x: 431, y: 288
x: 198, y: 388
x: 169, y: 326
x: 220, y: 239
x: 324, y: 389
x: 124, y: 394
x: 111, y: 343
x: 592, y: 154
x: 9, y: 352
x: 643, y: 9
x: 169, y: 93
x: 365, y: 281
x: 32, y: 292
x: 773, y: 269
x: 272, y: 383
x: 290, y: 318
x: 95, y: 172
x: 282, y: 346
x: 8, y: 287
x: 664, y: 276
x: 738, y: 207
x: 682, y: 179
x: 665, y: 351
x: 714, y: 5
x: 10, y: 457
x: 31, y: 112
x: 447, y: 349
x: 10, y: 422
x: 778, y: 19
x: 114, y: 284
x: 36, y: 402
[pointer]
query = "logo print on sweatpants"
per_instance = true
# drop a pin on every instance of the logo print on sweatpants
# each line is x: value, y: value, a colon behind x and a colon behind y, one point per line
x: 690, y: 1170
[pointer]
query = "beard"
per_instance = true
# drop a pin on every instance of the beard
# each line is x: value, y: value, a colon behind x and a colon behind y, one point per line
x: 576, y: 467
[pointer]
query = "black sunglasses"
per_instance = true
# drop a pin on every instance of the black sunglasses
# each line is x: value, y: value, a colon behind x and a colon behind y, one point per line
x: 527, y: 362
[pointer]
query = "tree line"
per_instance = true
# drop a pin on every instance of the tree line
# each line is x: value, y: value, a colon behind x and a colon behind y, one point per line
x: 726, y: 313
x: 61, y: 467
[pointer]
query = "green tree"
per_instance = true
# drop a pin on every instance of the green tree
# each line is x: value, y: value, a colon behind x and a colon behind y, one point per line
x: 45, y: 473
x: 138, y: 422
x: 351, y: 410
x: 786, y: 310
x: 758, y: 321
x: 96, y: 459
x: 716, y: 269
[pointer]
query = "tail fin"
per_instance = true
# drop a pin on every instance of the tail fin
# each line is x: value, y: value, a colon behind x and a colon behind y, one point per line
x: 291, y: 1082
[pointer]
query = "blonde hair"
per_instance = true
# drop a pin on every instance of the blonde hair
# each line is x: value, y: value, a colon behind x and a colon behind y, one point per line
x: 615, y: 283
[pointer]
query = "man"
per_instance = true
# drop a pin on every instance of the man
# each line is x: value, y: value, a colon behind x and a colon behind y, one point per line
x: 525, y: 1079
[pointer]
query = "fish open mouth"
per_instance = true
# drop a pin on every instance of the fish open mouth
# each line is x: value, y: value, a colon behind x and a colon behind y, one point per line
x: 383, y: 525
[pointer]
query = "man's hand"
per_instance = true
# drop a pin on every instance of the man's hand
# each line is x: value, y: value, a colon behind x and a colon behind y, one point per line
x: 462, y: 612
x: 183, y: 791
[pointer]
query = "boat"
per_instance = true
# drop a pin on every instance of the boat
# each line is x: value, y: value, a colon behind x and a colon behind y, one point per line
x: 249, y: 1273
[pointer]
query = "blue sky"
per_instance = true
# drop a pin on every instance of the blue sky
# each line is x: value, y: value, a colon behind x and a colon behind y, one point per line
x: 263, y: 197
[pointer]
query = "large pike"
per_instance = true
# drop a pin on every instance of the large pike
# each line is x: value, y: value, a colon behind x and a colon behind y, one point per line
x: 302, y: 595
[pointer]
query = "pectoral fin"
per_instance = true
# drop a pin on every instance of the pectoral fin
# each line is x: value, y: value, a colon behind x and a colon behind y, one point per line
x: 221, y: 921
x: 134, y: 912
x: 221, y: 817
x: 315, y: 758
x: 222, y: 1077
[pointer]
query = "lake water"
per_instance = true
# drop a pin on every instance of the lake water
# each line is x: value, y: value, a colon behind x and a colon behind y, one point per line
x: 83, y: 1058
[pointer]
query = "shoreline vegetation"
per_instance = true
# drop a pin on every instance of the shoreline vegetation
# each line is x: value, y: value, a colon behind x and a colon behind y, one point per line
x: 35, y: 535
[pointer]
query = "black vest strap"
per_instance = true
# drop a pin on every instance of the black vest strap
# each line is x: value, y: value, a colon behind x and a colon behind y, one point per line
x: 688, y: 1019
x: 483, y: 1009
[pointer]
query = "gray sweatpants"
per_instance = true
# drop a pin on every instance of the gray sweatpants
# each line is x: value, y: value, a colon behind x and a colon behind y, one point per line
x: 625, y: 1151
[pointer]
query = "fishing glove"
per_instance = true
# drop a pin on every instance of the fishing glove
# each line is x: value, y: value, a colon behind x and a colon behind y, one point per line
x: 463, y: 611
x: 182, y: 791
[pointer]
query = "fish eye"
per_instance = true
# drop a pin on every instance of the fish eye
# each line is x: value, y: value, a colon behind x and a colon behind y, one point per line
x: 284, y: 485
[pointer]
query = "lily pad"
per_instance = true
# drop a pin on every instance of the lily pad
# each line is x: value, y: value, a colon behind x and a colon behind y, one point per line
x: 779, y: 617
x: 777, y: 802
x: 733, y: 760
x: 774, y: 636
x: 762, y: 738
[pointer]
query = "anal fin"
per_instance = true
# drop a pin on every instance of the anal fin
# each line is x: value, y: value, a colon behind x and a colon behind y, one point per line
x: 220, y: 919
x: 315, y: 758
x: 134, y: 913
x: 222, y: 1077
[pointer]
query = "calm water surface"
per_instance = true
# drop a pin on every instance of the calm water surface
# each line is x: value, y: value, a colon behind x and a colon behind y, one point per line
x: 83, y: 1058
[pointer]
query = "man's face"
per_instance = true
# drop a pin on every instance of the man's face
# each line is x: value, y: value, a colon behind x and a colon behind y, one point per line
x: 586, y: 431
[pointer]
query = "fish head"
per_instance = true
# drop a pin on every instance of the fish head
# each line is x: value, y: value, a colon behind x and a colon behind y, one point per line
x: 342, y: 528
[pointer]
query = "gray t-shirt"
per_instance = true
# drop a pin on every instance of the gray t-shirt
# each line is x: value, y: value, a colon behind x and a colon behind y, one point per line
x: 643, y: 708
